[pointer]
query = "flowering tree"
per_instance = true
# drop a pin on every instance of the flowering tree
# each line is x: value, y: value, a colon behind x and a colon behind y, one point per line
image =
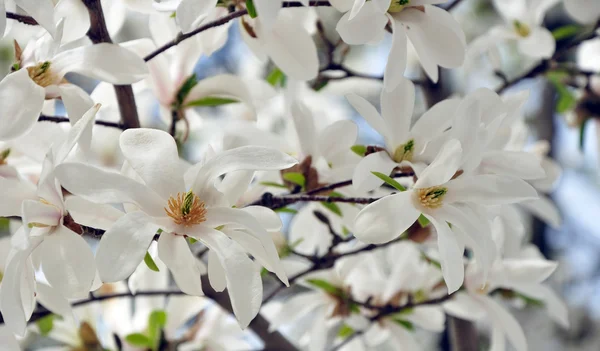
x: 421, y: 229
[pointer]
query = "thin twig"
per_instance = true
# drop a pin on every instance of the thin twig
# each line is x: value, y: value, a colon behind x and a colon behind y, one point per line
x: 58, y: 119
x: 20, y: 18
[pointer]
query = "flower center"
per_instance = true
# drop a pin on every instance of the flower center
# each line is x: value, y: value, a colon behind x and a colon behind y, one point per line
x: 404, y: 152
x: 186, y: 209
x: 41, y: 74
x: 398, y: 5
x: 521, y: 28
x: 431, y: 197
x: 3, y: 156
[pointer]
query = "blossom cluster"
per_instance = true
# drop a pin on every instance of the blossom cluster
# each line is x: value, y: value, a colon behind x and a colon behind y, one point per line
x: 383, y: 237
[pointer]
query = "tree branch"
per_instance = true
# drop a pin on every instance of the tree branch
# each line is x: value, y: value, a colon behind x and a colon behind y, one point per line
x: 59, y: 119
x: 20, y: 18
x: 98, y: 33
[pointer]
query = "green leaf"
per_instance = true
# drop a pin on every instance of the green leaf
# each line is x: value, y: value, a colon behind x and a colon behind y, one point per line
x: 295, y: 177
x: 336, y: 194
x: 185, y: 89
x: 286, y: 210
x: 156, y: 322
x: 4, y: 224
x: 150, y: 262
x: 211, y: 101
x: 345, y: 331
x: 320, y: 84
x: 46, y: 324
x: 191, y: 240
x: 296, y: 243
x: 273, y: 184
x: 251, y: 9
x: 530, y: 301
x: 566, y: 100
x: 333, y: 207
x: 423, y: 221
x: 431, y: 261
x: 264, y: 272
x: 582, y: 134
x: 565, y: 32
x: 360, y: 150
x: 390, y: 181
x: 138, y: 339
x: 406, y: 324
x: 276, y: 77
x: 324, y: 285
x: 345, y: 231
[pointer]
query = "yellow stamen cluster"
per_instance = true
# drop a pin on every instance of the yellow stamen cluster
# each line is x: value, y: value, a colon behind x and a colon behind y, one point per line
x: 41, y: 74
x: 398, y: 5
x: 3, y: 156
x: 521, y: 28
x: 186, y: 209
x: 431, y: 197
x: 404, y: 152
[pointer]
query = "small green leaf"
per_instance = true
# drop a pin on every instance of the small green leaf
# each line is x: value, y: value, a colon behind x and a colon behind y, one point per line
x: 389, y: 180
x: 345, y: 231
x: 185, y: 89
x: 530, y: 301
x: 211, y: 101
x: 150, y: 262
x: 566, y: 100
x: 582, y: 134
x: 345, y: 331
x: 431, y: 261
x: 4, y: 154
x: 191, y: 240
x: 324, y: 285
x: 320, y: 83
x: 273, y: 184
x: 156, y: 322
x: 360, y: 150
x: 264, y: 272
x: 423, y: 221
x: 46, y: 324
x: 296, y: 243
x: 332, y: 207
x: 336, y: 194
x: 295, y: 177
x: 16, y: 66
x: 138, y: 339
x: 251, y: 9
x: 276, y: 77
x: 286, y: 210
x: 565, y: 32
x: 406, y: 324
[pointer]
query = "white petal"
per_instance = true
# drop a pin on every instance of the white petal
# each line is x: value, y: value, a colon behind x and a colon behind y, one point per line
x: 545, y: 209
x: 396, y: 109
x: 92, y: 214
x: 451, y: 254
x: 428, y: 317
x: 243, y: 278
x: 190, y: 13
x: 584, y: 11
x: 123, y: 246
x: 396, y: 64
x: 68, y: 262
x: 382, y: 221
x: 554, y: 305
x: 7, y: 338
x: 268, y: 10
x: 370, y: 114
x: 79, y: 132
x: 153, y: 155
x: 21, y: 102
x: 291, y: 48
x: 77, y: 102
x: 3, y: 20
x: 98, y: 185
x: 295, y: 308
x: 174, y: 251
x: 38, y: 212
x: 337, y: 138
x: 437, y: 119
x: 235, y: 185
x: 319, y: 329
x: 523, y: 165
x: 107, y: 62
x: 505, y: 321
x: 526, y: 271
x: 216, y: 272
x: 538, y: 44
x: 11, y: 298
x: 223, y: 85
x: 76, y: 17
x: 42, y: 11
x: 363, y: 179
x: 267, y: 218
x: 463, y: 306
x: 342, y: 5
x: 367, y: 25
x: 305, y: 128
x: 489, y: 189
x: 443, y: 167
x: 13, y: 192
x: 50, y: 298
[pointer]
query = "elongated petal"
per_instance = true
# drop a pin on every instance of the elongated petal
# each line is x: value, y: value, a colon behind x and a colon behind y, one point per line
x: 80, y: 131
x: 235, y: 185
x: 364, y: 27
x: 337, y: 138
x: 545, y: 209
x: 68, y: 263
x: 42, y: 11
x: 505, y: 321
x: 463, y: 306
x: 363, y: 179
x: 3, y: 18
x: 243, y: 278
x: 268, y: 10
x: 91, y: 214
x: 383, y: 221
x: 242, y: 158
x: 489, y: 189
x: 539, y: 44
x: 77, y: 102
x: 174, y: 251
x: 37, y: 212
x: 370, y: 114
x: 305, y: 128
x: 266, y: 217
x: 107, y: 62
x: 296, y: 307
x: 11, y: 298
x: 13, y: 192
x: 216, y: 272
x: 436, y: 120
x: 523, y: 165
x: 428, y: 317
x: 190, y: 13
x: 396, y: 64
x: 124, y: 245
x: 397, y: 109
x: 51, y: 298
x: 98, y: 185
x: 21, y: 102
x: 153, y: 155
x: 555, y: 306
x: 443, y: 167
x: 76, y: 17
x: 223, y: 85
x: 451, y: 254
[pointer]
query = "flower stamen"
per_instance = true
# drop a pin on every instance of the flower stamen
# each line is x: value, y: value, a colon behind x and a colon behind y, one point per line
x: 404, y: 152
x: 521, y: 28
x: 431, y: 197
x: 186, y: 209
x: 41, y: 74
x: 398, y: 5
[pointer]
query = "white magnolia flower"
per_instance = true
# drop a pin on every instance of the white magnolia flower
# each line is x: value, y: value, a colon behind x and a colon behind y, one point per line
x: 584, y: 11
x: 404, y: 145
x: 181, y: 205
x: 443, y: 198
x: 433, y: 32
x: 41, y: 10
x: 42, y: 68
x: 65, y: 258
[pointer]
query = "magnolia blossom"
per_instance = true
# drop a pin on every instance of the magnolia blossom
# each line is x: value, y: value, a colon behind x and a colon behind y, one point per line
x: 180, y: 205
x: 41, y: 70
x: 433, y: 32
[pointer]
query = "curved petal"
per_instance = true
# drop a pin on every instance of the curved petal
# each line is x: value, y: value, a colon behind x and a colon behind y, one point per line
x: 91, y: 214
x: 13, y: 192
x: 268, y: 10
x: 68, y: 263
x: 382, y: 221
x: 153, y: 154
x: 12, y: 301
x: 305, y: 129
x: 42, y: 11
x: 106, y: 62
x: 243, y: 278
x: 363, y: 179
x: 216, y: 272
x: 77, y: 102
x: 37, y: 212
x: 584, y: 11
x: 463, y: 306
x: 436, y: 120
x: 337, y: 138
x: 519, y: 164
x: 50, y: 298
x: 443, y: 167
x: 489, y: 189
x: 428, y: 317
x: 190, y: 13
x: 451, y: 254
x: 97, y: 185
x: 174, y: 251
x: 223, y: 85
x: 124, y: 245
x: 397, y: 109
x: 267, y: 218
x: 21, y: 102
x: 504, y: 321
x: 76, y: 17
x: 367, y: 25
x: 538, y: 44
x: 545, y: 209
x: 370, y: 114
x: 396, y: 63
